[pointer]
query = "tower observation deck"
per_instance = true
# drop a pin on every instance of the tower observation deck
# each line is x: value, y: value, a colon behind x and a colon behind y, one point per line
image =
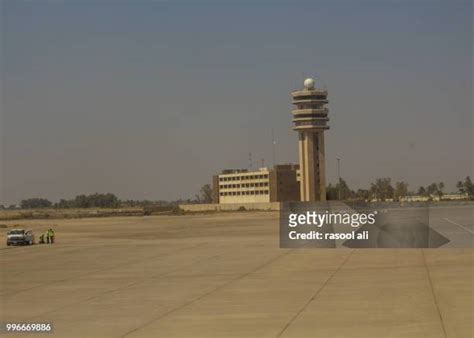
x: 310, y: 118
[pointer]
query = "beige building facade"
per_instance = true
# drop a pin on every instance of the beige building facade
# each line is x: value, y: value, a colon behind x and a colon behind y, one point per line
x: 277, y: 184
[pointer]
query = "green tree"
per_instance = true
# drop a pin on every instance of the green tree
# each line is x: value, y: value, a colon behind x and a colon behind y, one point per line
x: 460, y: 186
x: 363, y: 194
x: 90, y: 201
x: 421, y: 191
x: 432, y: 189
x: 64, y: 204
x: 339, y: 191
x: 401, y: 190
x: 440, y: 189
x: 382, y: 189
x: 35, y: 203
x: 343, y: 190
x: 331, y: 192
x: 205, y: 194
x: 468, y: 186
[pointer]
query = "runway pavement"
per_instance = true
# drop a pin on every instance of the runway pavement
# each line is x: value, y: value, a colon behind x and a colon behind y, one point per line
x: 224, y: 275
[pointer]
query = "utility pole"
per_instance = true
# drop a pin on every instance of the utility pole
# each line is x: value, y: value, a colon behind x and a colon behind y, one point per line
x: 273, y: 149
x: 339, y: 177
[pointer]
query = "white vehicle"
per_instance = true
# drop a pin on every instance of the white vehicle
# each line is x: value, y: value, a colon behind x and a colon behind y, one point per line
x: 20, y: 237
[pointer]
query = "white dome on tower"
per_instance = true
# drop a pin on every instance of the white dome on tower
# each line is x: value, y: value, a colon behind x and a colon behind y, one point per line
x: 309, y: 83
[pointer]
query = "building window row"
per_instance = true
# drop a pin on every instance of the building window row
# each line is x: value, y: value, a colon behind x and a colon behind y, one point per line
x: 242, y: 178
x: 239, y: 193
x: 244, y: 185
x: 310, y: 97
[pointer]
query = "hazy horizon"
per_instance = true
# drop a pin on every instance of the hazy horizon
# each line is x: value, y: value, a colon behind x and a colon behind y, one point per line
x: 148, y: 100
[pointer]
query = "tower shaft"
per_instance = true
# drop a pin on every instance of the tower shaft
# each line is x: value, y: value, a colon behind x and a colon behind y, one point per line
x: 312, y: 166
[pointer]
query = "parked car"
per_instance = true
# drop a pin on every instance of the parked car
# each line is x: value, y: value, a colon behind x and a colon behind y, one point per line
x: 20, y: 237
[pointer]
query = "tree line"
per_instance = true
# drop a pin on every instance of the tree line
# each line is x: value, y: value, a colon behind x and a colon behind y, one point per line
x: 382, y: 190
x: 109, y: 200
x: 80, y: 201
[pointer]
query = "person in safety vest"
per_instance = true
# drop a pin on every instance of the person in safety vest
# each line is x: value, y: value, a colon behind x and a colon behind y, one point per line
x: 51, y: 235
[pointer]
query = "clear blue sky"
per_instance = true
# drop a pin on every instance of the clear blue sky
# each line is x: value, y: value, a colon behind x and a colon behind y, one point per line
x: 150, y: 99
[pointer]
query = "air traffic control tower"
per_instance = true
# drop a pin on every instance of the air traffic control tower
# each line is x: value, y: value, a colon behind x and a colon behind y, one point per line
x: 310, y: 117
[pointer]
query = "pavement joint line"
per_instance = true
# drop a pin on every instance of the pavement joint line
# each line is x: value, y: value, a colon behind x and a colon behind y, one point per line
x: 313, y: 297
x: 459, y: 225
x: 433, y: 293
x: 123, y: 287
x: 101, y: 270
x: 217, y: 288
x: 381, y: 267
x: 164, y: 275
x: 194, y: 276
x: 191, y: 264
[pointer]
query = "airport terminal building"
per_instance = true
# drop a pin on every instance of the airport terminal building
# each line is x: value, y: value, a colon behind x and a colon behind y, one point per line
x: 305, y: 181
x: 277, y: 184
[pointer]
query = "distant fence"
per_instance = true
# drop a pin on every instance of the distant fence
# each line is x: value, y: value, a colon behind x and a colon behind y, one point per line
x: 271, y: 206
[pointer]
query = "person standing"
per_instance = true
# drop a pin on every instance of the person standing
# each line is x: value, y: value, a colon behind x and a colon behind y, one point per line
x: 51, y: 235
